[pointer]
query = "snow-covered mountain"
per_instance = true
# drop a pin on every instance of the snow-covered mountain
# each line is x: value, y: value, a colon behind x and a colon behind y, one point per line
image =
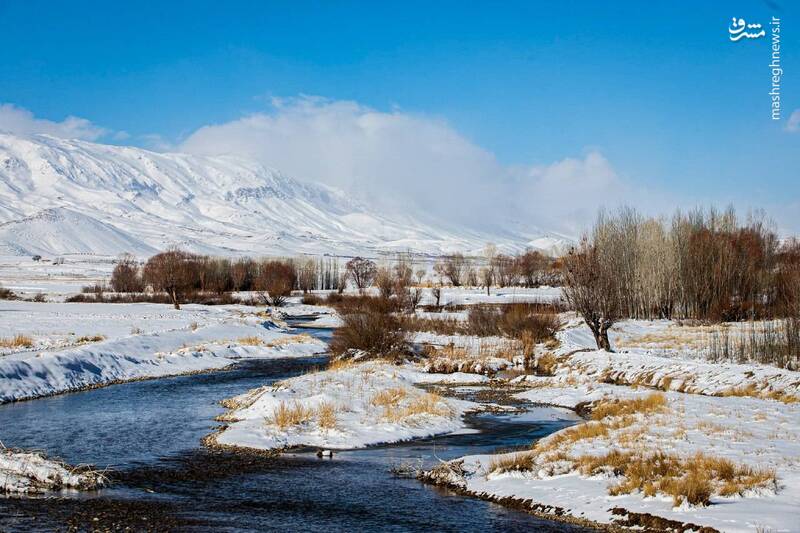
x: 67, y: 196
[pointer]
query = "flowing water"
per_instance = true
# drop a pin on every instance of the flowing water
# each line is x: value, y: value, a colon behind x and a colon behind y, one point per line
x: 148, y: 433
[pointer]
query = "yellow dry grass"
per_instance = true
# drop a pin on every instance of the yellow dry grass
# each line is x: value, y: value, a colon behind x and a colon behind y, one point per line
x: 250, y: 341
x: 290, y: 339
x: 589, y: 430
x: 90, y: 338
x: 752, y: 391
x: 326, y: 415
x: 287, y: 415
x: 652, y: 403
x: 692, y: 479
x: 17, y: 341
x: 424, y: 404
x: 340, y: 364
x: 519, y: 461
x: 389, y: 397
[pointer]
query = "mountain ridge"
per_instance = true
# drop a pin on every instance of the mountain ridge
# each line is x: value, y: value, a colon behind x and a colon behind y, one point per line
x: 111, y: 197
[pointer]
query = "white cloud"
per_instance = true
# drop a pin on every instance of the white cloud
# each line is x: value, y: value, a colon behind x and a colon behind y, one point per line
x: 15, y: 119
x: 793, y: 124
x: 411, y: 160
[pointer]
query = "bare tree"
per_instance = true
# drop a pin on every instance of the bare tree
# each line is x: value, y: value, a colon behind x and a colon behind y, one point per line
x: 170, y: 272
x: 306, y: 274
x: 530, y: 267
x: 454, y: 268
x: 487, y: 278
x: 592, y: 288
x: 362, y: 272
x: 436, y: 291
x: 126, y: 276
x: 385, y: 282
x: 420, y: 274
x: 414, y: 298
x: 274, y: 282
x: 242, y: 274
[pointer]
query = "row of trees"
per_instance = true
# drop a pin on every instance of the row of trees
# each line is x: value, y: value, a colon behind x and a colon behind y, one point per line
x: 179, y: 274
x: 703, y: 265
x: 528, y: 269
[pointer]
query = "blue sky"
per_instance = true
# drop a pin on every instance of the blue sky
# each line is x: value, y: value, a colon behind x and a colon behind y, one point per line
x: 673, y: 106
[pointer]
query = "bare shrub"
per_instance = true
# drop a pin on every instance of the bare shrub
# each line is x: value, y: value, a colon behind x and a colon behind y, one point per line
x: 7, y: 294
x: 775, y: 343
x: 375, y: 333
x: 312, y: 299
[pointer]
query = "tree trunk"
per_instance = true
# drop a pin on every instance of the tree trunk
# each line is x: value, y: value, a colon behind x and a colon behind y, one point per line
x: 600, y: 332
x: 175, y: 299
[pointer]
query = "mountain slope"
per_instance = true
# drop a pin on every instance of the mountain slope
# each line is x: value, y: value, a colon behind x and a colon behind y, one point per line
x: 65, y: 196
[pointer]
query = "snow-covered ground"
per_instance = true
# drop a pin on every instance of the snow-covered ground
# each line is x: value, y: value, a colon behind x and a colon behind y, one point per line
x: 32, y: 473
x: 350, y: 406
x: 747, y: 415
x: 55, y: 281
x: 74, y: 346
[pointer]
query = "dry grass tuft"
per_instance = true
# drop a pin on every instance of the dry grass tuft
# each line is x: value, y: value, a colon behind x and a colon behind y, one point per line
x: 751, y: 390
x: 17, y: 341
x: 425, y: 404
x: 250, y: 341
x: 692, y: 479
x: 326, y: 415
x: 652, y: 403
x: 589, y: 430
x: 287, y: 415
x: 389, y: 397
x: 90, y: 338
x: 511, y: 462
x: 340, y: 364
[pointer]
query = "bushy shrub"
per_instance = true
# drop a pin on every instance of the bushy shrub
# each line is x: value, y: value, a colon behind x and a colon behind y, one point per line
x: 374, y: 332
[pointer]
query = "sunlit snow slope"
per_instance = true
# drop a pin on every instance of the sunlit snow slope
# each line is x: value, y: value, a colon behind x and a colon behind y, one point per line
x: 66, y: 196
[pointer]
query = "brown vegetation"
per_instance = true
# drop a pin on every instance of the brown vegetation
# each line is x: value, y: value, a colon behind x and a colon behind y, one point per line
x: 375, y: 333
x: 17, y: 341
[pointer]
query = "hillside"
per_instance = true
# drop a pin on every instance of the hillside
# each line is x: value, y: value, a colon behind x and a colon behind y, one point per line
x: 66, y: 196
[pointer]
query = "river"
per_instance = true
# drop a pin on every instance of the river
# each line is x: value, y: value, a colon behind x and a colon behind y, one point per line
x: 148, y: 434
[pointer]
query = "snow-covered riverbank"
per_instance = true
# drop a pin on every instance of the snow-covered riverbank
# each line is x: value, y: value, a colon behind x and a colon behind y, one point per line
x: 65, y: 347
x: 717, y: 448
x: 33, y: 473
x: 349, y: 406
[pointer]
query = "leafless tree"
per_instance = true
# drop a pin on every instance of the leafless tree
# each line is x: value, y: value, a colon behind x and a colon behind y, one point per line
x: 414, y: 298
x: 126, y: 276
x: 436, y: 291
x: 530, y: 267
x: 362, y: 272
x: 274, y: 282
x: 592, y: 288
x: 385, y: 282
x: 242, y: 274
x: 454, y: 268
x: 170, y: 272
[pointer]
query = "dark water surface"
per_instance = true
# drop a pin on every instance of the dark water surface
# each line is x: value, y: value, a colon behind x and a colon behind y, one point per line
x: 149, y: 433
